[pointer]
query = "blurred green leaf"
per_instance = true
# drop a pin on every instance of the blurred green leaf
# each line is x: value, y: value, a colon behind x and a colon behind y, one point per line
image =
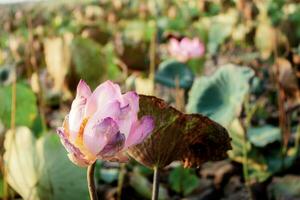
x: 113, y: 71
x: 144, y: 188
x: 257, y: 166
x: 295, y: 19
x: 217, y: 37
x: 1, y: 188
x: 26, y: 108
x: 264, y: 135
x: 137, y: 30
x: 275, y: 161
x: 257, y: 86
x: 196, y: 65
x: 213, y: 8
x: 171, y: 25
x: 37, y: 126
x: 170, y: 70
x: 275, y: 11
x: 135, y: 56
x: 4, y: 74
x: 90, y: 62
x: 286, y: 187
x: 40, y: 169
x: 183, y: 181
x: 109, y: 175
x: 144, y: 170
x: 262, y: 162
x: 220, y: 29
x: 221, y: 95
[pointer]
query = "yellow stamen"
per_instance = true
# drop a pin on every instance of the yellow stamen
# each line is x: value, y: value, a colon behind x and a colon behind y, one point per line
x: 79, y: 141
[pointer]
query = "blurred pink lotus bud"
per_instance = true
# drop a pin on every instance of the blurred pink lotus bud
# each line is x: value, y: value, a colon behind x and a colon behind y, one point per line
x: 103, y: 124
x: 186, y: 48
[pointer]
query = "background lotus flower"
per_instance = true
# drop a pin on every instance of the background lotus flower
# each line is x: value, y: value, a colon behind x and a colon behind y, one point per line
x: 186, y: 48
x: 103, y: 124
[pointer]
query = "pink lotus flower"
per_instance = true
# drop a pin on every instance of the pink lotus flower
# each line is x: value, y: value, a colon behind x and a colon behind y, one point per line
x: 103, y: 124
x: 186, y: 48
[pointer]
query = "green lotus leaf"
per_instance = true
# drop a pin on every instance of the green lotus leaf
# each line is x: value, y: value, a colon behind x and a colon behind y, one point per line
x: 221, y: 95
x: 286, y: 187
x: 40, y: 169
x: 170, y: 70
x: 5, y: 73
x: 109, y: 175
x: 143, y: 187
x: 221, y: 27
x: 89, y: 60
x: 262, y: 163
x: 1, y: 188
x: 166, y: 24
x: 262, y: 136
x: 113, y: 71
x: 137, y: 30
x: 217, y: 37
x: 183, y: 181
x: 26, y: 108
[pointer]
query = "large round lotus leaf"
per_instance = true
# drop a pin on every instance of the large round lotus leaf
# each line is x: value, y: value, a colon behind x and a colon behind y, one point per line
x: 221, y: 95
x: 40, y: 169
x: 26, y: 108
x: 170, y: 71
x: 261, y: 136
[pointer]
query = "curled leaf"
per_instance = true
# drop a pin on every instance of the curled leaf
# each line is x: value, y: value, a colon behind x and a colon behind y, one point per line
x: 221, y: 95
x: 57, y: 58
x: 193, y: 139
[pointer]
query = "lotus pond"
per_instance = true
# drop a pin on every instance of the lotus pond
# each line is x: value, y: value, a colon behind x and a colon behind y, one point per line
x: 150, y: 99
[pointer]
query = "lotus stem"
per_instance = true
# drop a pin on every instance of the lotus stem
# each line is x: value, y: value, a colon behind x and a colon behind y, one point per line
x: 250, y: 111
x: 121, y: 180
x: 153, y: 57
x: 91, y: 182
x: 155, y: 186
